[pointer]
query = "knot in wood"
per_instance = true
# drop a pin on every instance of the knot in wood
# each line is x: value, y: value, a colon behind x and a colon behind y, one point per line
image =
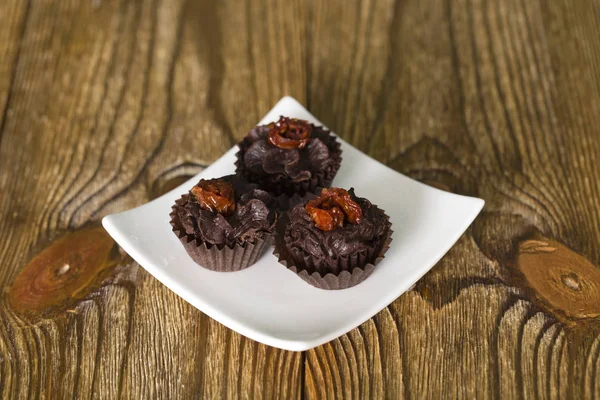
x: 564, y: 281
x: 63, y: 272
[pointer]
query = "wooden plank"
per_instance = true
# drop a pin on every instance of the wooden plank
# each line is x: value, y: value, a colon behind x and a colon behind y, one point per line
x: 105, y: 102
x: 472, y: 103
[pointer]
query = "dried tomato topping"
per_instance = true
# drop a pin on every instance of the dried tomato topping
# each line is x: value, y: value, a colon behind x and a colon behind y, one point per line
x: 215, y: 195
x: 332, y: 208
x: 289, y: 133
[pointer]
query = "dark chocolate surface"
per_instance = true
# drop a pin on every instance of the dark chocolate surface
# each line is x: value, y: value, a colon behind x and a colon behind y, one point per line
x: 253, y: 216
x: 303, y: 239
x: 285, y: 170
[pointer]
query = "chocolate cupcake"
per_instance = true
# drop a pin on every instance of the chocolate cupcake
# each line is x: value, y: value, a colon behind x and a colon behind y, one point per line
x: 334, y: 241
x: 289, y: 157
x: 225, y: 224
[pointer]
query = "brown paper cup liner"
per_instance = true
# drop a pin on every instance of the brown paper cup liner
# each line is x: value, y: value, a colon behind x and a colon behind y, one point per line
x: 350, y: 271
x: 225, y: 258
x: 319, y: 180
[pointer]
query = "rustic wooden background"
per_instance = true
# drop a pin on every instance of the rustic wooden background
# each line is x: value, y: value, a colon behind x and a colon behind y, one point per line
x: 107, y: 104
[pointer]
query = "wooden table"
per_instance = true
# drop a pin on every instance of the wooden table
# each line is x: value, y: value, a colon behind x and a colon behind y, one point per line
x: 108, y: 104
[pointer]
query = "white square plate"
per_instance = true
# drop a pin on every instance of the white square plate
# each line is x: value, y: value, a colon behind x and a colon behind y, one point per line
x: 272, y: 305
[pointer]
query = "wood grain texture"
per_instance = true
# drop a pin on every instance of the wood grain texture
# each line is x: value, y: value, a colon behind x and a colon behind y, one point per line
x: 14, y: 14
x: 109, y: 103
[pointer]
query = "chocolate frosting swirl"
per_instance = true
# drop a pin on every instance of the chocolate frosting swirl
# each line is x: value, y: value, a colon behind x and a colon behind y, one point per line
x: 279, y: 170
x: 253, y: 216
x: 303, y: 239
